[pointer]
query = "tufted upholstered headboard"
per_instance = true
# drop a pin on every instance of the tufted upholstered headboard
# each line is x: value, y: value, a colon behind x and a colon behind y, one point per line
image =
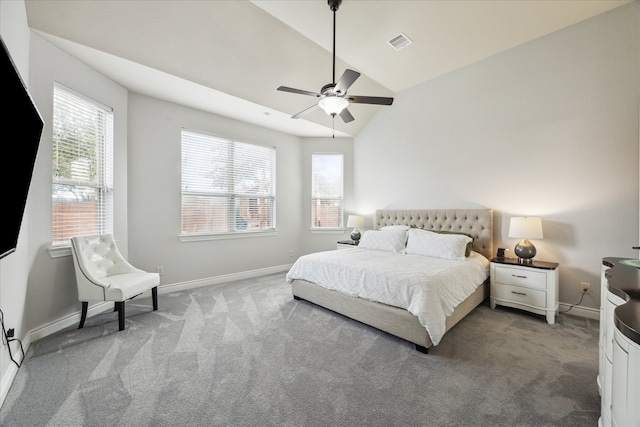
x: 476, y: 222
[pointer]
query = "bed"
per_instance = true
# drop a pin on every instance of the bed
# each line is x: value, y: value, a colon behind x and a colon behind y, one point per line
x: 334, y: 279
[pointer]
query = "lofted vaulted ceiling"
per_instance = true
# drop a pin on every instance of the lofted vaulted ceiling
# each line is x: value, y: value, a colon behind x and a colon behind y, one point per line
x: 229, y: 57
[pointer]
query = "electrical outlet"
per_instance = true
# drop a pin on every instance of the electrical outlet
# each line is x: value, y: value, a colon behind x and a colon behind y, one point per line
x: 160, y: 270
x: 290, y: 254
x: 585, y: 287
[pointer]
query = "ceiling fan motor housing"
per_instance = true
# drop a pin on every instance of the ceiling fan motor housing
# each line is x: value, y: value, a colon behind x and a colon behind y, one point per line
x: 334, y: 4
x: 328, y: 90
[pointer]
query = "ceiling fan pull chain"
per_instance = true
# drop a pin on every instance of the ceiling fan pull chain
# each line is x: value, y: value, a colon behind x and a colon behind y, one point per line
x: 333, y: 126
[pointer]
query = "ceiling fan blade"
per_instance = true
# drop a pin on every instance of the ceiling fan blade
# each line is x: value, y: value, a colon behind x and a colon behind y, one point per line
x: 346, y: 116
x: 379, y: 100
x: 298, y: 91
x: 347, y: 79
x: 305, y: 112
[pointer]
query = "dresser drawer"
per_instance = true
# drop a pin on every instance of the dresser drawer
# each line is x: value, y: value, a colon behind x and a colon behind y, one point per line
x: 521, y: 277
x: 530, y: 297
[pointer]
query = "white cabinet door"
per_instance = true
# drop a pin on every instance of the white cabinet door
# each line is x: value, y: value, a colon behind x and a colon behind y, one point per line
x: 625, y: 382
x: 608, y: 303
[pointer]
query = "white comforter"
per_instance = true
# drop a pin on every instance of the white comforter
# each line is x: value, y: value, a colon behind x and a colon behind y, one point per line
x: 429, y: 288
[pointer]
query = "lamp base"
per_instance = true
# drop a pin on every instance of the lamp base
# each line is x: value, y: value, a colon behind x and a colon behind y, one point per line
x: 525, y: 251
x: 355, y: 235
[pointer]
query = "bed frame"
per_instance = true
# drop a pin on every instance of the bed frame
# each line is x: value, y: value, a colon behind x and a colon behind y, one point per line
x: 398, y: 321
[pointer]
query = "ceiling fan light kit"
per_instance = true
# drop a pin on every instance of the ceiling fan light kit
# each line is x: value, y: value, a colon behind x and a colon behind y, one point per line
x: 333, y: 96
x: 333, y: 105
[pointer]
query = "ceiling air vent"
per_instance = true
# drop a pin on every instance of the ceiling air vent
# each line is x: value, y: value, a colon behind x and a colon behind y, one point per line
x: 400, y: 41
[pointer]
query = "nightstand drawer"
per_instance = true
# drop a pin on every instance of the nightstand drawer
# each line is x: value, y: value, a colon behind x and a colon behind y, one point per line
x: 519, y: 295
x: 521, y: 277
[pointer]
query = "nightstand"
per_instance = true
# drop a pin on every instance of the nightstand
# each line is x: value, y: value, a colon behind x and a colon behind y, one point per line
x: 346, y: 244
x: 532, y: 287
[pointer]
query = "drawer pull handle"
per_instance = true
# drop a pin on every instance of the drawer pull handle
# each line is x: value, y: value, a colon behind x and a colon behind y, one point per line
x: 520, y: 277
x: 519, y: 293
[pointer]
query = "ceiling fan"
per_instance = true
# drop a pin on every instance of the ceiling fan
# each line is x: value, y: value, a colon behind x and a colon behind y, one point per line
x: 333, y: 96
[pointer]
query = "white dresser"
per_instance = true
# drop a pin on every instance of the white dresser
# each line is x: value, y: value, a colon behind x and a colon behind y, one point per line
x: 619, y: 369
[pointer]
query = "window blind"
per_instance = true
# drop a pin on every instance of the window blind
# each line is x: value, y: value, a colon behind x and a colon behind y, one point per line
x: 82, y: 192
x: 327, y: 190
x: 227, y: 186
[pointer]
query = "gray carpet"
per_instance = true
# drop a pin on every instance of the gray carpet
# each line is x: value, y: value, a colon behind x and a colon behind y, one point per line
x: 247, y: 354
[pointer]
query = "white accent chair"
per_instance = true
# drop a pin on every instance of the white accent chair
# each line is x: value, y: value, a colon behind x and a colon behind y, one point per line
x: 102, y: 274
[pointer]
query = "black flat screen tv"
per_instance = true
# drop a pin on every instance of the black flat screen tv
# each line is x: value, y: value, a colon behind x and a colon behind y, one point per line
x: 23, y: 129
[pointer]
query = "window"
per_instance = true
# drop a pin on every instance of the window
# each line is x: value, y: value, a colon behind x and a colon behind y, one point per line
x: 82, y: 190
x: 227, y: 186
x: 326, y: 190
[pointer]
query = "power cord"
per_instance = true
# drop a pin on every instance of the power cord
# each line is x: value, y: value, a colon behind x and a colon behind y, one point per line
x: 8, y: 337
x: 572, y: 305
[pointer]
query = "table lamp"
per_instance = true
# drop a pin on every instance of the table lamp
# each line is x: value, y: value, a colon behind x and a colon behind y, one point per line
x: 356, y: 222
x: 525, y: 228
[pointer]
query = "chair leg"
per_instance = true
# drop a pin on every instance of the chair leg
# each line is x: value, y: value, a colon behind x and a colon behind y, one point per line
x: 83, y: 315
x: 120, y: 309
x: 154, y: 297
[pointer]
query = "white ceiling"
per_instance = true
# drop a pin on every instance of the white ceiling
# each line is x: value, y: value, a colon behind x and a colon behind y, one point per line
x: 228, y: 57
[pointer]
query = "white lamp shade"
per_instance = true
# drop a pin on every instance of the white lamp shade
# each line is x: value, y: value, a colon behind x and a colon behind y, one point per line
x: 333, y: 104
x: 355, y: 221
x: 525, y: 228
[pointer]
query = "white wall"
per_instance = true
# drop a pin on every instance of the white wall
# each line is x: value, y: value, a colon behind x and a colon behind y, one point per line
x: 547, y: 129
x: 51, y: 288
x: 154, y: 196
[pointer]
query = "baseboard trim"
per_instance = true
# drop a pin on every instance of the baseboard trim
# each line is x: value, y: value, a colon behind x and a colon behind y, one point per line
x: 576, y: 310
x: 69, y: 320
x: 175, y: 287
x: 8, y: 377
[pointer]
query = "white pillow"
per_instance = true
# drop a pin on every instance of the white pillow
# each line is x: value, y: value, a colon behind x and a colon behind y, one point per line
x: 393, y: 240
x: 428, y: 243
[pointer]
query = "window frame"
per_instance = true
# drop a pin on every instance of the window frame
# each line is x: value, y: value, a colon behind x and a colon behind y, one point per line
x: 98, y: 178
x: 339, y: 197
x: 231, y: 207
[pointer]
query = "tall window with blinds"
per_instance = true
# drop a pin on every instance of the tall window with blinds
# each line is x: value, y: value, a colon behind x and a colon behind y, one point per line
x: 327, y: 191
x: 227, y: 186
x: 82, y: 192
